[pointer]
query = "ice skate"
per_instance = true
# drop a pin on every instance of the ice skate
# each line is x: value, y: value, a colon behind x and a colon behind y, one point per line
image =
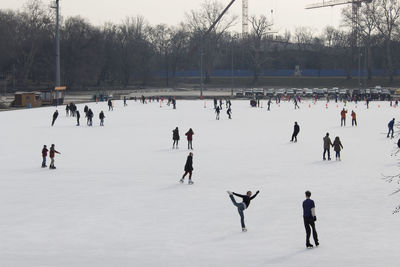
x: 181, y: 181
x: 309, y: 246
x: 229, y: 192
x: 244, y: 230
x: 316, y: 243
x: 190, y: 182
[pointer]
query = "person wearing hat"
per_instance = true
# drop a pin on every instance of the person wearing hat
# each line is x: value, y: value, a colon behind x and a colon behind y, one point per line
x: 390, y: 126
x: 309, y: 220
x: 53, y: 151
x: 296, y: 131
x: 175, y: 137
x: 327, y: 146
x: 188, y: 169
x: 44, y: 156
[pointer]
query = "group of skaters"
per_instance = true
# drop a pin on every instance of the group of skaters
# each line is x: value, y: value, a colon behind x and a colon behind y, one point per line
x: 343, y: 114
x: 218, y: 108
x: 176, y: 137
x: 88, y: 115
x: 52, y: 153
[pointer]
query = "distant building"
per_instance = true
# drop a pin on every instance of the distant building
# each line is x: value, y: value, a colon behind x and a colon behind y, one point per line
x: 27, y: 99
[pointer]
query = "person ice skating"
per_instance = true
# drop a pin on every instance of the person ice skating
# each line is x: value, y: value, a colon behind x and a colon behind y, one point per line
x: 229, y: 112
x: 327, y: 146
x: 90, y: 117
x: 189, y: 135
x: 78, y: 116
x: 53, y: 151
x: 337, y: 146
x: 217, y: 110
x: 296, y: 106
x: 44, y: 156
x: 101, y: 117
x: 343, y: 117
x: 390, y: 126
x: 175, y: 137
x: 243, y: 205
x: 309, y: 220
x: 215, y: 103
x: 55, y: 115
x: 188, y: 169
x: 85, y: 109
x: 353, y: 118
x: 110, y: 105
x: 296, y: 131
x: 269, y: 104
x: 125, y: 104
x: 67, y: 110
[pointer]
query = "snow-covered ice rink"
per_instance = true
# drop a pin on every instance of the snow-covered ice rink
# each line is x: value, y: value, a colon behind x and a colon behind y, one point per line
x: 115, y: 199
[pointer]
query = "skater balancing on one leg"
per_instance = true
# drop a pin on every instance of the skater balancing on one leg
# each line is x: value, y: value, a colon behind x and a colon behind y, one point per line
x: 390, y: 126
x: 44, y: 156
x: 327, y: 146
x: 53, y: 152
x: 175, y: 137
x: 296, y: 131
x: 189, y: 135
x: 309, y: 220
x: 337, y: 146
x: 243, y: 205
x: 188, y: 168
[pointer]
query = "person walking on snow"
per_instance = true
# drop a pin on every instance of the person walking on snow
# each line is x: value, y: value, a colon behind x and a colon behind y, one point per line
x: 175, y: 137
x: 101, y: 117
x: 217, y: 110
x: 229, y: 112
x: 55, y: 115
x: 337, y: 146
x: 188, y: 169
x: 296, y: 131
x: 327, y: 146
x: 189, y: 135
x: 44, y: 156
x: 53, y: 151
x: 309, y: 220
x: 390, y: 126
x: 343, y: 117
x: 243, y: 205
x: 353, y: 118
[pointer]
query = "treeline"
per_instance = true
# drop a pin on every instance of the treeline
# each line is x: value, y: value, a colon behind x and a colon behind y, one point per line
x: 131, y: 52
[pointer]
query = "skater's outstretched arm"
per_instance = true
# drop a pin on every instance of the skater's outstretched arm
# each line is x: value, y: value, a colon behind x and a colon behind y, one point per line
x: 238, y: 195
x: 253, y: 197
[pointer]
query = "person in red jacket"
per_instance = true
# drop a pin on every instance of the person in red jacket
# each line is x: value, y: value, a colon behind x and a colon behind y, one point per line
x: 53, y: 151
x: 44, y: 156
x: 189, y: 135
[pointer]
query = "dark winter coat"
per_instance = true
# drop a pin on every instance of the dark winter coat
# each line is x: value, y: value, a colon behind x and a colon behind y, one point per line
x: 175, y: 134
x: 53, y: 151
x: 296, y: 129
x: 44, y: 152
x: 327, y: 142
x: 246, y: 198
x: 101, y: 116
x: 337, y: 145
x: 391, y: 124
x: 55, y: 115
x: 78, y: 115
x: 189, y: 164
x: 189, y: 135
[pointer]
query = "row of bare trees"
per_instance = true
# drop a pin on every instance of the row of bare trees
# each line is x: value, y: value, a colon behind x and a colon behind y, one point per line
x: 134, y: 52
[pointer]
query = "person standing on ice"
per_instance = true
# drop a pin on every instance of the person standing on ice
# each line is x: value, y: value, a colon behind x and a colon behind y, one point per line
x: 353, y: 118
x: 309, y: 220
x: 188, y: 169
x: 229, y: 112
x: 110, y: 105
x: 337, y: 146
x: 269, y: 104
x: 101, y: 117
x: 189, y: 136
x: 175, y: 137
x: 296, y: 131
x: 85, y: 109
x: 90, y: 117
x: 327, y: 146
x: 78, y: 116
x: 125, y: 104
x: 67, y: 110
x: 295, y: 103
x: 217, y: 110
x: 390, y: 126
x: 53, y: 152
x: 55, y: 115
x: 243, y: 205
x: 44, y: 156
x: 343, y: 117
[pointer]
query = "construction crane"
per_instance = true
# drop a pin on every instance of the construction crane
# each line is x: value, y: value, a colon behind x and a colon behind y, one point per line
x: 356, y: 4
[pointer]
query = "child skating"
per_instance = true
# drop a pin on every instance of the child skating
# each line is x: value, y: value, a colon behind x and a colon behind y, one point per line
x: 243, y: 205
x: 188, y: 169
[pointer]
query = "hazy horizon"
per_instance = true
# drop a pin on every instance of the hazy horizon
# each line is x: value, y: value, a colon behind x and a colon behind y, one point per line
x: 286, y: 14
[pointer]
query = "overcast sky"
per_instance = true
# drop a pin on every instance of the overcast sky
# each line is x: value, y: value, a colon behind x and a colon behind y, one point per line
x: 287, y: 14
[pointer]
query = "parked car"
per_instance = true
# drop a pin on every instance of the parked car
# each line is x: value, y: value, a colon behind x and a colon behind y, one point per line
x: 332, y: 92
x: 290, y: 92
x: 239, y: 94
x: 280, y: 92
x: 270, y: 92
x: 299, y: 92
x: 258, y: 92
x: 249, y: 93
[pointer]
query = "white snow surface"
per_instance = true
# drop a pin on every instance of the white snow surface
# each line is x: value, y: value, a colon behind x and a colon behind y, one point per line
x: 115, y: 199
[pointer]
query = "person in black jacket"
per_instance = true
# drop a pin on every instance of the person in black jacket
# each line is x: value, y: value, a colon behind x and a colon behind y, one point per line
x: 242, y: 206
x: 110, y: 105
x: 188, y: 169
x: 78, y: 116
x: 101, y: 117
x: 175, y: 137
x: 55, y: 115
x: 90, y: 117
x: 296, y: 131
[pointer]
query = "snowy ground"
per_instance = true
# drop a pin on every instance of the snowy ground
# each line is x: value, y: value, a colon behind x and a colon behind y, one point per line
x: 115, y: 200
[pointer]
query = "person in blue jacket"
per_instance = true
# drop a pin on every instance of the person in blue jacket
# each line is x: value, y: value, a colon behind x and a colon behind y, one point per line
x: 390, y: 126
